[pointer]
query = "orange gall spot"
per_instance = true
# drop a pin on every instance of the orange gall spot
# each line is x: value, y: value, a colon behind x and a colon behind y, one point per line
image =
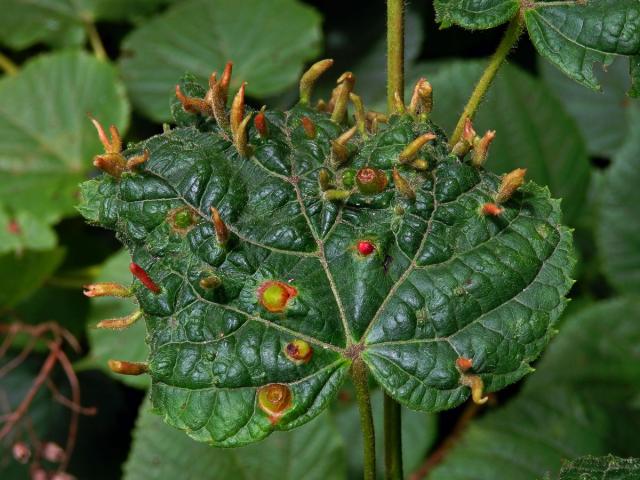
x: 464, y: 364
x: 274, y: 400
x: 492, y: 209
x: 274, y: 295
x: 371, y: 180
x: 298, y: 351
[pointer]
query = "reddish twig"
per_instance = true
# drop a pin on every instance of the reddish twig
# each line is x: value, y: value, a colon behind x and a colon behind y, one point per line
x: 439, y: 453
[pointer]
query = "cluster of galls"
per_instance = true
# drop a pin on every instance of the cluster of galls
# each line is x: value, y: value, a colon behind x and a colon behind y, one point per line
x: 275, y: 295
x: 49, y: 452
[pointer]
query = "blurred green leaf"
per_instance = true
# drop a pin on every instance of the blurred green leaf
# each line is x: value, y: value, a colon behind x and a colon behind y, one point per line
x: 418, y: 434
x: 603, y: 117
x: 533, y: 130
x: 21, y: 273
x: 619, y: 227
x: 575, y: 35
x: 267, y: 41
x: 314, y: 451
x: 22, y: 230
x: 475, y: 14
x: 579, y: 402
x: 46, y: 140
x: 60, y: 23
x: 601, y: 468
x: 128, y: 344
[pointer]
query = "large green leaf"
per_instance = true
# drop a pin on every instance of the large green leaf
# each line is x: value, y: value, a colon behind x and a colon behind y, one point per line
x: 533, y: 130
x: 442, y: 281
x: 105, y: 344
x: 603, y: 117
x: 62, y: 22
x: 579, y: 402
x: 475, y: 14
x: 575, y: 35
x: 162, y: 453
x: 267, y: 41
x: 46, y: 149
x: 619, y: 227
x: 601, y: 468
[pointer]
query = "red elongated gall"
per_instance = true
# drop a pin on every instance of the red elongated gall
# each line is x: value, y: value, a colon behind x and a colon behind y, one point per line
x: 365, y: 247
x: 260, y: 122
x: 106, y: 289
x: 222, y: 232
x: 309, y: 127
x: 511, y: 182
x: 464, y: 364
x: 144, y: 278
x: 274, y: 400
x: 492, y: 209
x: 298, y: 351
x: 120, y: 322
x: 371, y: 180
x: 274, y: 295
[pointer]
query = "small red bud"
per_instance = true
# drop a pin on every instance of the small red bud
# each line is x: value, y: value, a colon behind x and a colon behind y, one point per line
x: 53, y: 452
x: 260, y: 122
x: 464, y: 364
x: 309, y: 127
x: 21, y: 452
x: 492, y: 209
x: 365, y: 247
x: 144, y: 278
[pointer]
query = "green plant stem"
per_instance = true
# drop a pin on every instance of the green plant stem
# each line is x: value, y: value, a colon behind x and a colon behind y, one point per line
x: 94, y: 39
x: 395, y: 53
x: 360, y: 377
x: 497, y: 59
x: 7, y: 65
x: 392, y: 439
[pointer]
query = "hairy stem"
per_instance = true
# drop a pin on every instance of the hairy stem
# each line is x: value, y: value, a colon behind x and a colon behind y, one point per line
x: 497, y: 59
x: 395, y: 53
x: 392, y: 439
x: 94, y: 39
x: 7, y: 65
x: 360, y: 376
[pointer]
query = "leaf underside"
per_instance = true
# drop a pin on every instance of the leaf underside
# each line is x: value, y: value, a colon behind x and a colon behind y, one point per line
x: 443, y: 282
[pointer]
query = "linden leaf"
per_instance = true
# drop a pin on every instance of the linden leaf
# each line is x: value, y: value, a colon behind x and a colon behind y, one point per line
x: 46, y: 149
x: 575, y: 35
x: 24, y: 23
x: 475, y: 14
x: 312, y: 452
x: 267, y: 41
x: 618, y: 234
x: 601, y: 468
x: 259, y: 290
x: 563, y: 413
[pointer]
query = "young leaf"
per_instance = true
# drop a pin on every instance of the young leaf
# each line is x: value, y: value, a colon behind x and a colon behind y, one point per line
x: 312, y: 452
x: 267, y: 41
x: 258, y: 295
x: 127, y: 344
x: 601, y: 468
x: 575, y: 35
x: 45, y: 149
x: 475, y: 14
x: 618, y: 231
x: 572, y: 406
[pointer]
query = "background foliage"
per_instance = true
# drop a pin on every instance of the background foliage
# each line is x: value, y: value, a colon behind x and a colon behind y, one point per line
x: 119, y: 60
